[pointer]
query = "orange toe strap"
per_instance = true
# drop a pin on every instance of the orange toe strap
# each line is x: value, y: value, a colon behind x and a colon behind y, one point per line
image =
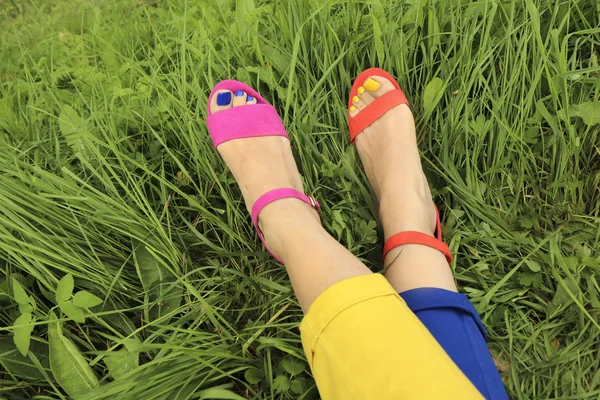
x: 410, y: 237
x: 375, y: 110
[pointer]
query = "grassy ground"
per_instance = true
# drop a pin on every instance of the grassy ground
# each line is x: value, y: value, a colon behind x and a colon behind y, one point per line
x: 107, y: 175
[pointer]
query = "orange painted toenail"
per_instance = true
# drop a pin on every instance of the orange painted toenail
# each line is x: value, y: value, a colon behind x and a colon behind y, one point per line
x: 352, y: 108
x: 361, y: 90
x: 355, y: 99
x: 371, y: 85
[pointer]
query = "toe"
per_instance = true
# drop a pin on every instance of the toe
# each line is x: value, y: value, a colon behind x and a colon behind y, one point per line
x: 377, y: 85
x: 250, y: 100
x: 372, y: 88
x: 221, y: 100
x: 239, y: 99
x: 358, y: 102
x: 366, y: 98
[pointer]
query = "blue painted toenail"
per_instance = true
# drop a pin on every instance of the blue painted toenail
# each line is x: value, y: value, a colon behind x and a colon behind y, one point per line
x: 223, y: 99
x: 239, y: 93
x: 249, y: 98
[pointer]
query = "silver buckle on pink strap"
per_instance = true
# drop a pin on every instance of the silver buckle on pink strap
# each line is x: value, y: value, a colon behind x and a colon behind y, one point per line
x: 275, y: 195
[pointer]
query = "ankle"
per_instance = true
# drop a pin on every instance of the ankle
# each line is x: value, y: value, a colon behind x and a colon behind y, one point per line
x: 282, y: 221
x: 414, y: 266
x: 406, y: 212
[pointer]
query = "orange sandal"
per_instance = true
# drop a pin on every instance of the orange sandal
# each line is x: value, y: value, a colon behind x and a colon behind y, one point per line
x: 366, y: 117
x: 377, y: 108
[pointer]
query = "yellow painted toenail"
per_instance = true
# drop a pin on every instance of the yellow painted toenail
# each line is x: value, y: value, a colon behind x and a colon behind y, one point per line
x: 355, y: 99
x: 361, y: 90
x: 371, y: 85
x: 352, y: 108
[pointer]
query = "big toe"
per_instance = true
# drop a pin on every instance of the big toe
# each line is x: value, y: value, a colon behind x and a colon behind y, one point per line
x: 376, y: 86
x: 221, y: 100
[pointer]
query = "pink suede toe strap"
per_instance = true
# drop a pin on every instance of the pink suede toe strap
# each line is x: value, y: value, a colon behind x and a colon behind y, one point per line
x: 252, y: 120
x: 275, y: 195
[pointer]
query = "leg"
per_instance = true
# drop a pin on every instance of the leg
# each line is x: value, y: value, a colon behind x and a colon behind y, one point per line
x: 347, y: 306
x: 313, y: 259
x: 393, y: 166
x: 388, y: 150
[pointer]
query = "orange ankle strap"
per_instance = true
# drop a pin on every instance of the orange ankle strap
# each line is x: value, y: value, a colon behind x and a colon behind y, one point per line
x: 411, y: 237
x: 421, y: 238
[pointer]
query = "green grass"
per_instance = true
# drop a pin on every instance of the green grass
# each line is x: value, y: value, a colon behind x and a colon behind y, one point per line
x: 107, y: 174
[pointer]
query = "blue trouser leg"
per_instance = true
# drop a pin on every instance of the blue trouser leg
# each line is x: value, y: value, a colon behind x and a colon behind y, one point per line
x: 455, y: 324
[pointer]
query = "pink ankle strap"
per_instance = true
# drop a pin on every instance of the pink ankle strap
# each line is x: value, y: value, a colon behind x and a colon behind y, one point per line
x: 275, y: 195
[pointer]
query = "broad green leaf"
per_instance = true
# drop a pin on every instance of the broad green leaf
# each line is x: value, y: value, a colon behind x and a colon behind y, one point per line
x: 148, y: 268
x: 561, y: 297
x: 533, y: 265
x: 120, y: 321
x: 69, y: 366
x: 85, y: 299
x: 12, y: 361
x: 279, y: 62
x: 120, y: 362
x: 25, y: 308
x: 530, y: 279
x: 567, y: 379
x: 572, y: 263
x: 582, y: 250
x: 157, y: 282
x: 281, y: 384
x: 22, y: 332
x: 132, y: 344
x: 254, y: 375
x: 219, y: 393
x: 526, y: 222
x: 338, y: 223
x: 167, y: 297
x: 73, y: 128
x: 589, y: 112
x: 20, y: 294
x: 65, y: 288
x: 432, y: 95
x: 299, y: 386
x: 73, y: 312
x: 293, y: 366
x: 124, y: 92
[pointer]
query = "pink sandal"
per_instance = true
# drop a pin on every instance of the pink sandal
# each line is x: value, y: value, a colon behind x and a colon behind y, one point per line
x: 252, y: 120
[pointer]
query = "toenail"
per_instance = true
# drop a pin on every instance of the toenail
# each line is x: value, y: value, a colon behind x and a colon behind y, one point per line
x: 249, y: 98
x: 352, y: 108
x: 371, y: 85
x: 361, y: 90
x: 239, y: 93
x: 355, y: 99
x: 223, y: 99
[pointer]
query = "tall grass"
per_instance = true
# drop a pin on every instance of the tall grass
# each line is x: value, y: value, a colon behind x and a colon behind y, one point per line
x: 107, y: 174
